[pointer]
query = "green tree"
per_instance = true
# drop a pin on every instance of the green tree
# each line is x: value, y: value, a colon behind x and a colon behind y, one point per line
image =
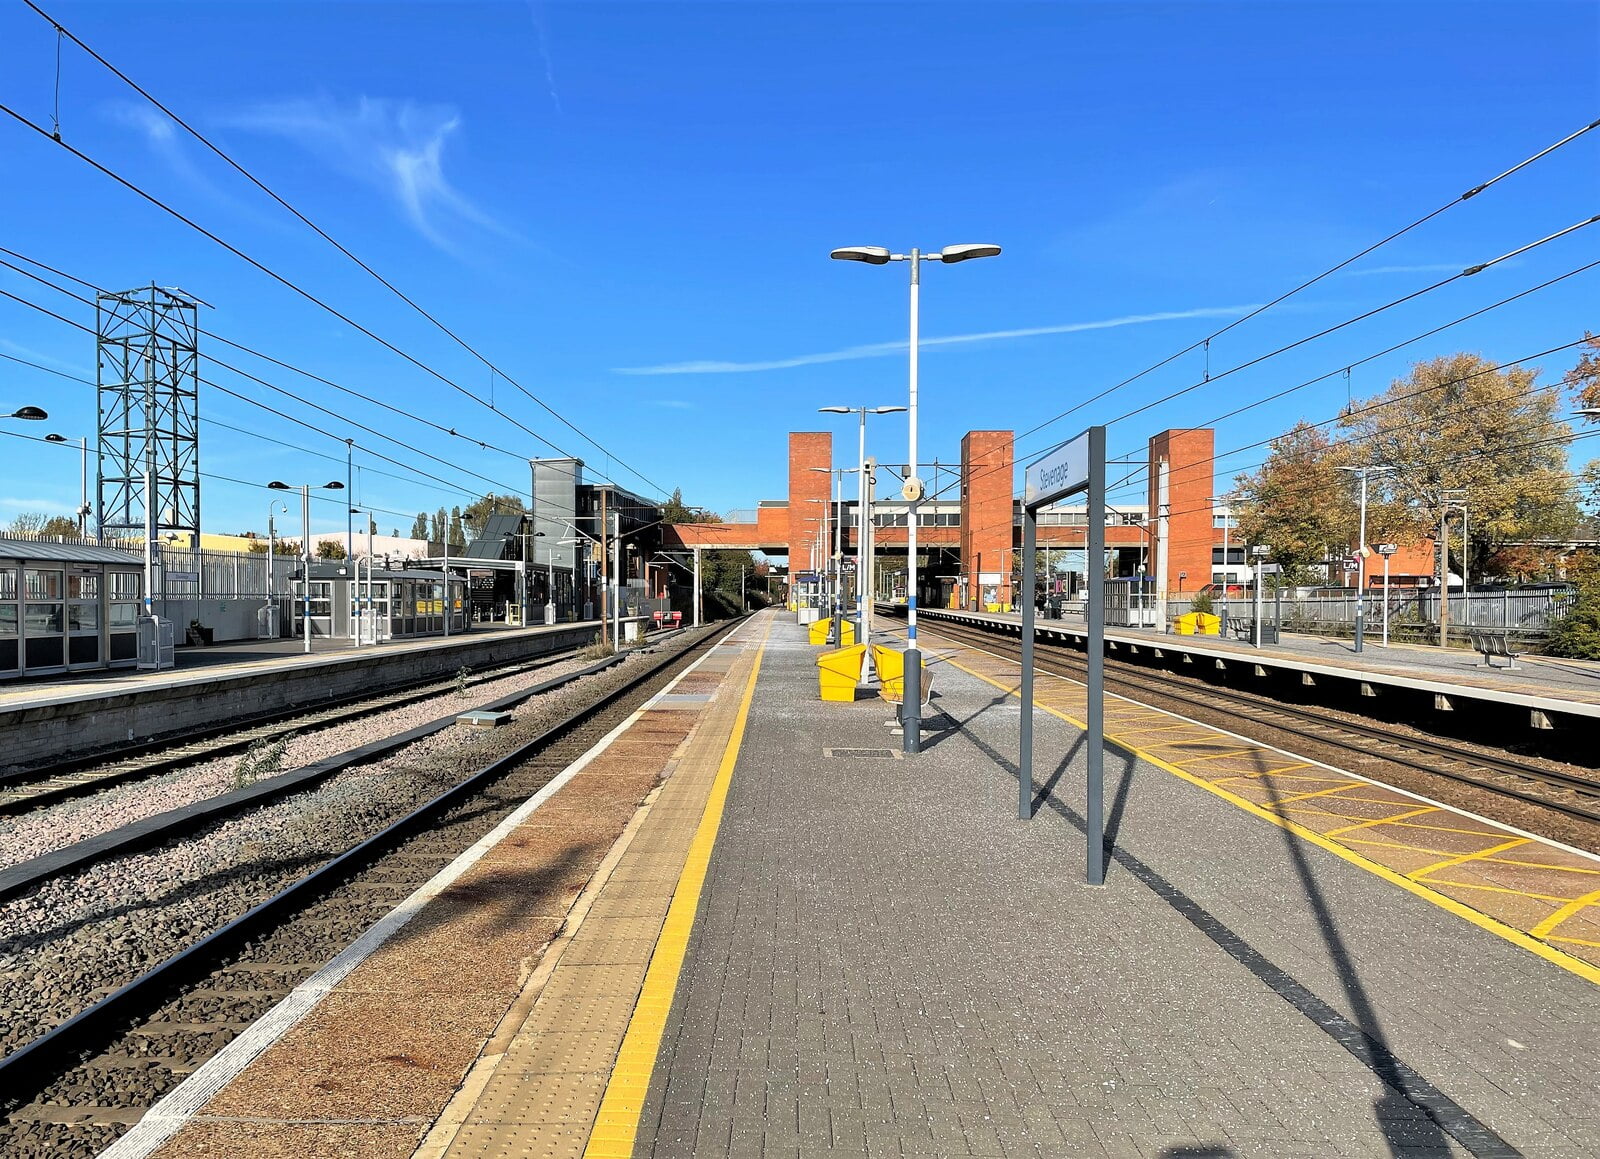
x: 458, y: 533
x: 674, y: 510
x: 436, y: 529
x: 1577, y: 634
x: 1299, y: 502
x: 37, y: 523
x: 419, y: 526
x: 330, y: 549
x: 1458, y: 424
x: 476, y: 514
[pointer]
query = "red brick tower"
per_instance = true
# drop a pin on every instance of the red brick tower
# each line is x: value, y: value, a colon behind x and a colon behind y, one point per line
x: 986, y: 526
x: 1186, y: 554
x: 808, y: 449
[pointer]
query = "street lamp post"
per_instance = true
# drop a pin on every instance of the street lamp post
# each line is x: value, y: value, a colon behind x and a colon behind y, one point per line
x: 83, y: 479
x: 305, y: 546
x: 1362, y: 552
x: 1227, y: 520
x: 1386, y: 550
x: 913, y: 489
x: 863, y: 522
x: 835, y: 542
x: 272, y: 551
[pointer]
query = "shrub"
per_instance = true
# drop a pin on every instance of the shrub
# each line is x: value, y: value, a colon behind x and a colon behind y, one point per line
x: 1576, y: 635
x: 263, y: 758
x: 1200, y: 602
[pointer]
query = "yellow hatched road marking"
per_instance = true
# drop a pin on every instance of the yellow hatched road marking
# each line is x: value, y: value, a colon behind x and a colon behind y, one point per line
x: 1574, y: 941
x: 1344, y: 788
x: 617, y: 1123
x: 1483, y: 921
x: 1500, y: 889
x: 1382, y: 820
x: 1565, y: 912
x: 1463, y: 858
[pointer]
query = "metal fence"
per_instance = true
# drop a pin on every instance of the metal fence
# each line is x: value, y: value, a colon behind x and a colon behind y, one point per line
x: 223, y: 574
x: 1411, y: 612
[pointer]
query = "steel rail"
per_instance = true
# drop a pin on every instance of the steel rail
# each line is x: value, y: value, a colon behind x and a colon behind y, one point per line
x: 1257, y: 709
x: 325, y: 713
x: 31, y: 1066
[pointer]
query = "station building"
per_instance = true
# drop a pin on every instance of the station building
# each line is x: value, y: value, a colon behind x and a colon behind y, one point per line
x: 969, y: 528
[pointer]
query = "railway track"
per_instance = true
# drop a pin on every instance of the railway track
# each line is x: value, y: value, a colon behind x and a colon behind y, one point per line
x: 25, y: 789
x: 1433, y: 758
x: 74, y: 1089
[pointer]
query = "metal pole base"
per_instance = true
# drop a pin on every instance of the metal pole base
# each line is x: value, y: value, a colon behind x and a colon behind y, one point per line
x: 911, y: 708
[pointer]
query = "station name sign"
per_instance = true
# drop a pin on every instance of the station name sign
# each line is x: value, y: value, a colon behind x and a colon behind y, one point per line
x: 1061, y: 472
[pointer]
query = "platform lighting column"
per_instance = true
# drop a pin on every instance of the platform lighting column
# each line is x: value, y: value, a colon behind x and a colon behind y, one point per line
x: 1227, y: 518
x: 305, y: 546
x: 1362, y: 473
x: 1386, y: 550
x: 272, y: 551
x: 913, y: 490
x: 549, y: 582
x: 863, y: 567
x: 371, y: 615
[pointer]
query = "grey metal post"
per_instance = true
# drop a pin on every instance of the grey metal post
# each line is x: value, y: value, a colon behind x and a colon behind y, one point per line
x: 697, y: 587
x: 305, y: 562
x: 1096, y: 615
x: 1030, y: 533
x: 349, y: 486
x: 1259, y: 603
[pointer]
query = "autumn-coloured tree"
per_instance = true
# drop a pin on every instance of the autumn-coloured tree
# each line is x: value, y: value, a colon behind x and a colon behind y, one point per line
x: 1299, y: 502
x: 330, y: 549
x: 1461, y: 424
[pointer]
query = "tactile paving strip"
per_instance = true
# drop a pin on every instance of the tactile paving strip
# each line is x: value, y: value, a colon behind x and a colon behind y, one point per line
x: 545, y: 1094
x: 1533, y: 887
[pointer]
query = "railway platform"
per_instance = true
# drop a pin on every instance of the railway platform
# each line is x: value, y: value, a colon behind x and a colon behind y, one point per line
x: 804, y: 943
x: 43, y: 719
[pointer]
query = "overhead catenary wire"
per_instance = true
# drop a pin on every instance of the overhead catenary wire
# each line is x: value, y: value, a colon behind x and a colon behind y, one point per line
x: 290, y: 418
x: 1331, y: 270
x: 1114, y: 485
x: 289, y: 283
x: 390, y: 286
x: 398, y: 411
x: 1379, y: 404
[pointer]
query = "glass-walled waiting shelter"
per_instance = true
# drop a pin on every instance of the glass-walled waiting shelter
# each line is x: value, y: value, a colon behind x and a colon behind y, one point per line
x: 402, y: 603
x: 67, y: 607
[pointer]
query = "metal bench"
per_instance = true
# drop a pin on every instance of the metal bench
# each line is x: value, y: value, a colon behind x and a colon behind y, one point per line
x: 1491, y: 644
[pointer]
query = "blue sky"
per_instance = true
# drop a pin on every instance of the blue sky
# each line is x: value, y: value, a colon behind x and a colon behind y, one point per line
x: 629, y: 207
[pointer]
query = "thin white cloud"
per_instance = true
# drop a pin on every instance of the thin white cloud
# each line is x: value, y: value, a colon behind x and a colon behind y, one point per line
x: 396, y: 146
x: 165, y: 141
x: 674, y: 403
x: 883, y: 349
x: 1431, y: 268
x: 33, y: 355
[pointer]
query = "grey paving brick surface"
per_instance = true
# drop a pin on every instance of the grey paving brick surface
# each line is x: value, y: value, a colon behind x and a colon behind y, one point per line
x: 888, y: 962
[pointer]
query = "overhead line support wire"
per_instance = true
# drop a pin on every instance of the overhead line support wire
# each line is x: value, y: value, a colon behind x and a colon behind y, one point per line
x: 441, y: 428
x: 279, y: 278
x: 248, y: 176
x: 1468, y: 195
x: 299, y: 422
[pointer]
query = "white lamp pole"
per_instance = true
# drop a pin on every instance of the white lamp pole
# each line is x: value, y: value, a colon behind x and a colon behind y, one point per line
x: 1361, y: 556
x: 863, y: 560
x: 305, y: 546
x: 913, y: 490
x: 1227, y: 521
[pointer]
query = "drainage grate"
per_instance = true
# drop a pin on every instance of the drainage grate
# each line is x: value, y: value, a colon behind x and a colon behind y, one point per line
x: 865, y: 754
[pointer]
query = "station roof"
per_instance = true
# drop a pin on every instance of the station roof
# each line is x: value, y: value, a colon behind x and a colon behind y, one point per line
x: 44, y: 550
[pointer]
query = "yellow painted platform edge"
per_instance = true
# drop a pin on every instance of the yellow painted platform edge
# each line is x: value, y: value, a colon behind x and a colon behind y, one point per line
x: 1510, y: 933
x: 620, y: 1109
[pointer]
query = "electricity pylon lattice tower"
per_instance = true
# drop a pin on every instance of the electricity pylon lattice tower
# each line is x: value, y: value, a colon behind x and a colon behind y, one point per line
x: 148, y: 393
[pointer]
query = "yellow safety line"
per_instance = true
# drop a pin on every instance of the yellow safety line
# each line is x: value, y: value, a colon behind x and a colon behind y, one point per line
x: 1554, y: 899
x: 1565, y: 912
x: 1344, y: 788
x: 616, y: 1125
x: 1463, y: 858
x: 1376, y: 821
x: 1516, y: 937
x: 1574, y: 941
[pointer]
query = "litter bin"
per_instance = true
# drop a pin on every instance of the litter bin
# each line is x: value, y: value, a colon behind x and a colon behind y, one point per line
x: 891, y: 665
x: 820, y: 630
x: 839, y: 671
